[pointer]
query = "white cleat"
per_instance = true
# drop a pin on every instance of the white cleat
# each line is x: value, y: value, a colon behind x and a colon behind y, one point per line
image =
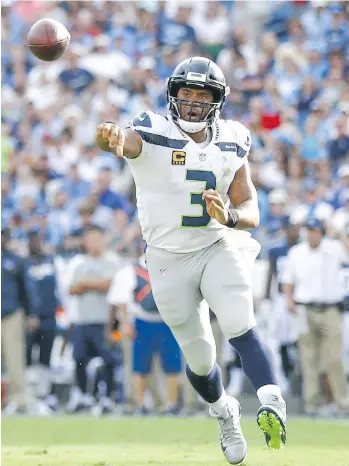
x: 233, y: 442
x: 271, y: 419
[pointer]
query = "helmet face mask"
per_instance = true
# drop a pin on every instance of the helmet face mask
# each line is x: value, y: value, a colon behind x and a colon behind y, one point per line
x: 196, y: 73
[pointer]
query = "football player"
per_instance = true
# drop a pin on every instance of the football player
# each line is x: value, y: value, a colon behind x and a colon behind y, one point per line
x: 189, y: 167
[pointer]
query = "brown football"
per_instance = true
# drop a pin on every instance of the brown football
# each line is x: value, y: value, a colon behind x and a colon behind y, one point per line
x: 48, y: 39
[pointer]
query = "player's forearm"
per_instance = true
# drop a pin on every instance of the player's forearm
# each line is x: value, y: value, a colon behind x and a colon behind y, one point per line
x: 248, y: 215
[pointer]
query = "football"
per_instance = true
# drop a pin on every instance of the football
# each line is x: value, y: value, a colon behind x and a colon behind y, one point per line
x: 48, y: 39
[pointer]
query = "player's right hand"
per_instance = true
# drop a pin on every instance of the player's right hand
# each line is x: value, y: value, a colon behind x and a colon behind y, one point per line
x: 111, y: 138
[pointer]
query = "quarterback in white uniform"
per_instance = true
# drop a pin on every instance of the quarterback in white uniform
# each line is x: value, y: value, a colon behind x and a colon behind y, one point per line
x: 189, y: 167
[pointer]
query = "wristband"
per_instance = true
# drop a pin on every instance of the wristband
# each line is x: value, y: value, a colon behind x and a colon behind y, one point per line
x: 233, y: 218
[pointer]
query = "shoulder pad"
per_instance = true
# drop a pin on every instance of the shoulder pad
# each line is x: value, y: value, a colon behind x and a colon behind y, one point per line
x: 242, y: 137
x: 150, y: 122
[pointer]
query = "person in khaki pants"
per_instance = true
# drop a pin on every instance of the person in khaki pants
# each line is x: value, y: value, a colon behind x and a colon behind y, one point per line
x: 14, y: 292
x: 314, y: 294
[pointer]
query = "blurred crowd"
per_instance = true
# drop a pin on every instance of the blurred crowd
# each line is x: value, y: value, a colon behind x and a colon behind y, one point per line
x: 286, y: 62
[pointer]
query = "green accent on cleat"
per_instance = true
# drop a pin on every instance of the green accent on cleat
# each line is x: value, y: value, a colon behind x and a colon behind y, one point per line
x: 272, y: 428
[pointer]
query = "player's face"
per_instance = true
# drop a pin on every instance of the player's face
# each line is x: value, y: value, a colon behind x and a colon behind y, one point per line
x: 194, y: 109
x: 94, y: 242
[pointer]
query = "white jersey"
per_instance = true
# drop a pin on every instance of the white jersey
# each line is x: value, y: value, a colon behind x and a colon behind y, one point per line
x: 171, y: 174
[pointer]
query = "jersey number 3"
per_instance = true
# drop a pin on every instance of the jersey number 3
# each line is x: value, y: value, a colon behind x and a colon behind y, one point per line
x: 196, y: 198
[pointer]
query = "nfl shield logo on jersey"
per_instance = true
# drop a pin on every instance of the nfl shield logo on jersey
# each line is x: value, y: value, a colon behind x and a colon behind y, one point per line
x: 202, y: 157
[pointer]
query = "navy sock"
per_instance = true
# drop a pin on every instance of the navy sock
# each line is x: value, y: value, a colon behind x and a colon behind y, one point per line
x: 209, y: 387
x: 254, y: 359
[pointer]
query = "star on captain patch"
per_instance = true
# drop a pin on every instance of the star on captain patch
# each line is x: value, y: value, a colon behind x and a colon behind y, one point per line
x: 202, y: 157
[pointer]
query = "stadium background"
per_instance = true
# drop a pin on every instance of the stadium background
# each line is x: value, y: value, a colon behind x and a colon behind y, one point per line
x: 287, y: 64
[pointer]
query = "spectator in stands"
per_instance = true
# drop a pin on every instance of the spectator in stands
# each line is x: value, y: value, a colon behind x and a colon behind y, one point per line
x: 173, y: 32
x: 74, y: 185
x: 312, y: 206
x: 111, y: 199
x: 312, y: 284
x: 40, y: 272
x: 131, y: 289
x: 90, y: 281
x: 75, y: 78
x: 339, y: 145
x: 277, y: 200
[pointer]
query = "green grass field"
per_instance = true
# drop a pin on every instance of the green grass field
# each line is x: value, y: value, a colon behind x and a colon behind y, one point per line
x: 154, y: 441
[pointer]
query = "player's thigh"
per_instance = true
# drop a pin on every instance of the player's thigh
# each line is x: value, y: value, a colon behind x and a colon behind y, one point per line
x: 226, y: 285
x: 196, y: 340
x: 143, y: 347
x: 175, y: 280
x: 175, y: 289
x: 169, y: 350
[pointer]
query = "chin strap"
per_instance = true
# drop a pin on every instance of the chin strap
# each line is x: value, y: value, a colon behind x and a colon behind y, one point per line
x: 192, y: 126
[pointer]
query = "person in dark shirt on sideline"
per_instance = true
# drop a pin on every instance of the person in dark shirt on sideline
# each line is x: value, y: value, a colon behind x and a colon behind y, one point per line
x: 15, y: 296
x: 40, y: 272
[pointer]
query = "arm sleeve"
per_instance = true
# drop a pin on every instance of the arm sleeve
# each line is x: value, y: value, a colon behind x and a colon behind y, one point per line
x: 241, y: 137
x: 243, y: 140
x: 122, y: 286
x: 142, y: 125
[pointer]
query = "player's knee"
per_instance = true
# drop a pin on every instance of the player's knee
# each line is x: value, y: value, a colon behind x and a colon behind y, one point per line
x: 201, y: 368
x: 200, y: 356
x: 246, y: 338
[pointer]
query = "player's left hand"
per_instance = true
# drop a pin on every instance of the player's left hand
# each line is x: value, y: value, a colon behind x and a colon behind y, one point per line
x: 215, y: 206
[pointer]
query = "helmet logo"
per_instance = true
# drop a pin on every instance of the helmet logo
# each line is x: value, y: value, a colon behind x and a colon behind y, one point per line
x: 191, y: 76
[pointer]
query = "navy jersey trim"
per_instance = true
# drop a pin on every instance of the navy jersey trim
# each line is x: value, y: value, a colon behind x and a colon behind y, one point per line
x: 163, y: 141
x: 231, y: 147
